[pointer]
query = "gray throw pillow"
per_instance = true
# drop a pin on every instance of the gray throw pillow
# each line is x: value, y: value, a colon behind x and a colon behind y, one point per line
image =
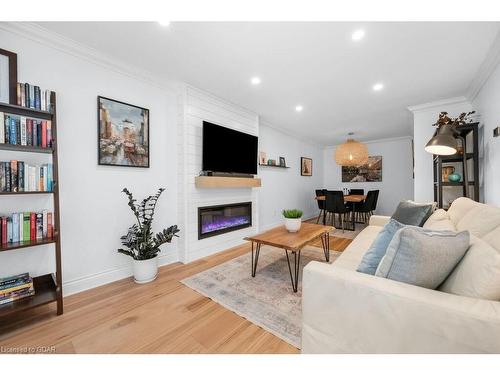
x: 411, y: 213
x: 423, y: 257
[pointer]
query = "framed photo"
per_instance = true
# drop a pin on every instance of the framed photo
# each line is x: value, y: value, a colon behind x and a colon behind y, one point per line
x: 369, y: 172
x: 306, y: 166
x: 123, y: 134
x: 282, y: 162
x: 262, y: 158
x: 8, y: 77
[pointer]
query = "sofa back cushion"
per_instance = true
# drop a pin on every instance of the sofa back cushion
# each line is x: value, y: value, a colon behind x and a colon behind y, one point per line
x: 377, y: 250
x: 478, y: 273
x: 422, y: 257
x: 439, y: 220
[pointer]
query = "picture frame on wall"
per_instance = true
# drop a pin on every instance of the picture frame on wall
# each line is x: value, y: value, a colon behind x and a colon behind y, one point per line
x: 8, y: 77
x: 306, y: 165
x: 282, y: 161
x: 123, y: 134
x: 371, y: 171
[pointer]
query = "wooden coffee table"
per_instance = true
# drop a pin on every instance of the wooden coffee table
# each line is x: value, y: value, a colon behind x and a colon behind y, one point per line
x: 291, y: 242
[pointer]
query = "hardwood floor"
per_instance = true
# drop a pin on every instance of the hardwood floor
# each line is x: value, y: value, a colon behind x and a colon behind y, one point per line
x: 161, y: 317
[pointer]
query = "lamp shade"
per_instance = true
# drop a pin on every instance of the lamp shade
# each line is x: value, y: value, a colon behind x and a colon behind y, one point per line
x: 351, y: 154
x: 443, y: 143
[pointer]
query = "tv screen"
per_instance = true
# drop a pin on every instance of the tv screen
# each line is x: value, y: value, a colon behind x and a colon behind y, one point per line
x: 227, y: 150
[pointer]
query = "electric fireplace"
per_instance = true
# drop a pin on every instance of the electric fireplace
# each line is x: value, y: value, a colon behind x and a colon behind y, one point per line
x: 214, y: 220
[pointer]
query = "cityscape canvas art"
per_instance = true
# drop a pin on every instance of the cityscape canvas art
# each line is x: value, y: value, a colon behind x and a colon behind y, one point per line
x: 371, y: 171
x: 123, y: 134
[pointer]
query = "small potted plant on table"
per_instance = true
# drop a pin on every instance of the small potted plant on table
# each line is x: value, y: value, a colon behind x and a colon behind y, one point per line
x: 140, y: 242
x: 292, y: 219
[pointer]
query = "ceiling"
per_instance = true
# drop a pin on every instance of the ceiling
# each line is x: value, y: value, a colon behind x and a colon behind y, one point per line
x: 314, y: 64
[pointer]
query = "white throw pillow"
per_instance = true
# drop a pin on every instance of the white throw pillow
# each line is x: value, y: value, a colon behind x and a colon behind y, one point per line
x: 439, y: 220
x: 478, y: 273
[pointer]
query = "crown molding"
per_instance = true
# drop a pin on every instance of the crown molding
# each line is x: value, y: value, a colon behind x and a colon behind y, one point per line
x: 438, y: 103
x: 289, y: 133
x: 381, y: 140
x: 51, y: 39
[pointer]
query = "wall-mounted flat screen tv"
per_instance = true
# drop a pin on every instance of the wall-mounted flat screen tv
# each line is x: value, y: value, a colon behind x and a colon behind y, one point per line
x: 227, y: 150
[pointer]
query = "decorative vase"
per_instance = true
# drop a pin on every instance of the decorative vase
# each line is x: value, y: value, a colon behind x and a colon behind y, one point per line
x: 293, y: 225
x: 447, y: 171
x: 145, y: 271
x: 454, y: 177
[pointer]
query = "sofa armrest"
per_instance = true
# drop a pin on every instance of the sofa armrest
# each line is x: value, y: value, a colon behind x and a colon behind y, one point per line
x: 379, y: 220
x: 346, y: 311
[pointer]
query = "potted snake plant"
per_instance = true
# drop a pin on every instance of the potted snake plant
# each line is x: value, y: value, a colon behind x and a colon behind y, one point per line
x: 140, y: 243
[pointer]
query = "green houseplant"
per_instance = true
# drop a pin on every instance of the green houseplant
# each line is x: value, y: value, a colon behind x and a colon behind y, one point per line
x: 293, y: 219
x: 140, y: 242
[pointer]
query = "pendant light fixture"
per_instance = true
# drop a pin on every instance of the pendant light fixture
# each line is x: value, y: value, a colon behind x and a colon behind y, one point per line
x: 351, y: 153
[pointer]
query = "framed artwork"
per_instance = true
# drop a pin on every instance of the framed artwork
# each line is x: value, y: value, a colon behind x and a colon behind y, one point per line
x: 282, y: 161
x: 8, y: 77
x: 123, y: 134
x: 369, y: 172
x: 262, y: 158
x: 306, y: 166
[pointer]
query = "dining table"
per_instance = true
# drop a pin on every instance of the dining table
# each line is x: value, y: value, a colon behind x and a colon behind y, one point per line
x: 351, y: 198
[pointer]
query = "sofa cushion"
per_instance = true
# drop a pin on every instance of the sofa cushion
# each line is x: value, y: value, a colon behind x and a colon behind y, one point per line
x: 422, y: 257
x: 478, y: 273
x: 377, y: 250
x: 411, y: 213
x: 478, y: 218
x: 439, y: 220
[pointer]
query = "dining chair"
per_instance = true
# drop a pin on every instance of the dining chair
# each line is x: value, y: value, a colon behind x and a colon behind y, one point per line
x: 365, y: 209
x: 357, y: 192
x: 334, y: 204
x: 321, y: 204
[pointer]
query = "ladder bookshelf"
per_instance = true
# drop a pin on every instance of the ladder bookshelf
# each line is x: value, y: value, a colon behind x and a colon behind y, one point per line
x: 48, y: 288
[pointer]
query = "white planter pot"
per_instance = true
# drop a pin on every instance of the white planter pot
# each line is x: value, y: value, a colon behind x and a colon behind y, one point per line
x: 145, y: 270
x: 293, y: 225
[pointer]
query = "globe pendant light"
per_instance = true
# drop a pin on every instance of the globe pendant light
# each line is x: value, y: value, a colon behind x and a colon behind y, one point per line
x: 351, y: 153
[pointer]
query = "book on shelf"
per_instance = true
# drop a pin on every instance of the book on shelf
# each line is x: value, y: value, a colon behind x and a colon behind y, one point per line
x: 26, y: 226
x: 31, y: 96
x: 19, y: 176
x: 16, y: 287
x: 25, y: 131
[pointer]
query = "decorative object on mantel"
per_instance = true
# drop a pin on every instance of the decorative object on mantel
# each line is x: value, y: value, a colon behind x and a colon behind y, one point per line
x: 293, y: 219
x: 371, y: 171
x: 123, y: 131
x: 8, y: 77
x: 262, y: 157
x: 351, y: 153
x: 140, y: 242
x: 282, y: 161
x: 306, y: 165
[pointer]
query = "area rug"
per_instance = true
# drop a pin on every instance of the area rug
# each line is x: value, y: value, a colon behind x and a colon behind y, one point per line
x: 266, y: 300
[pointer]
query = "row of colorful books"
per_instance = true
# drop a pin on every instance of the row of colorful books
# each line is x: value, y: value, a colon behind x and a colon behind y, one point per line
x: 19, y: 176
x: 16, y: 287
x: 31, y: 96
x: 26, y: 226
x: 25, y: 131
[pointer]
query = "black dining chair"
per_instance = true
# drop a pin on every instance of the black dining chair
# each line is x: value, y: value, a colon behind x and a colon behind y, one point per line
x: 334, y: 204
x: 365, y: 209
x: 357, y: 192
x: 321, y: 204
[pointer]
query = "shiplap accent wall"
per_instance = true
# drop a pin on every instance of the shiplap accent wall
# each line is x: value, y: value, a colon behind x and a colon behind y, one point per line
x: 197, y: 106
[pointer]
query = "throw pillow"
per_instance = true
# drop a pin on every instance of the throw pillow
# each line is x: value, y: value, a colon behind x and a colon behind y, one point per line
x: 478, y: 274
x: 422, y: 257
x: 411, y: 213
x: 377, y: 250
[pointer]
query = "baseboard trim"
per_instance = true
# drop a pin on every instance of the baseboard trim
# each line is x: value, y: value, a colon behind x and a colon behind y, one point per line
x: 109, y: 276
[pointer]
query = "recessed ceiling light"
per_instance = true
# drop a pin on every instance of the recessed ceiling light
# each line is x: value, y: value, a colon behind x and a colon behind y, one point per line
x: 378, y: 86
x: 358, y: 35
x: 299, y: 108
x: 255, y: 81
x: 164, y: 23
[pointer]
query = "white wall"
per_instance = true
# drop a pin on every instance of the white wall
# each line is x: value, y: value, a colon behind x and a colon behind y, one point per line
x: 486, y: 104
x: 397, y: 173
x: 94, y: 212
x: 423, y: 117
x: 197, y: 107
x: 286, y: 188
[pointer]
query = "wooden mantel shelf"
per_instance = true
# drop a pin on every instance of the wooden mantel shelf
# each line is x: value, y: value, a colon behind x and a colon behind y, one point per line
x: 211, y: 182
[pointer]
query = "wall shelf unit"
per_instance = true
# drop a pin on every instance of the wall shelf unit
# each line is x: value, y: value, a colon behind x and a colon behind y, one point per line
x: 48, y: 288
x: 214, y: 182
x: 274, y: 166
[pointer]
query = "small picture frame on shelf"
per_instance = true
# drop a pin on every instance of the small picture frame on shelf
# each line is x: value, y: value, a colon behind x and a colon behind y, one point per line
x: 282, y: 162
x: 262, y: 157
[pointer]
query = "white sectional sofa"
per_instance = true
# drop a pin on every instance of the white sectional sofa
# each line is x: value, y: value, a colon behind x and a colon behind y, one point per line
x: 345, y: 311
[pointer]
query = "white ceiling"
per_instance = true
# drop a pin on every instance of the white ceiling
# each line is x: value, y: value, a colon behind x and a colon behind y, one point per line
x: 316, y: 65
